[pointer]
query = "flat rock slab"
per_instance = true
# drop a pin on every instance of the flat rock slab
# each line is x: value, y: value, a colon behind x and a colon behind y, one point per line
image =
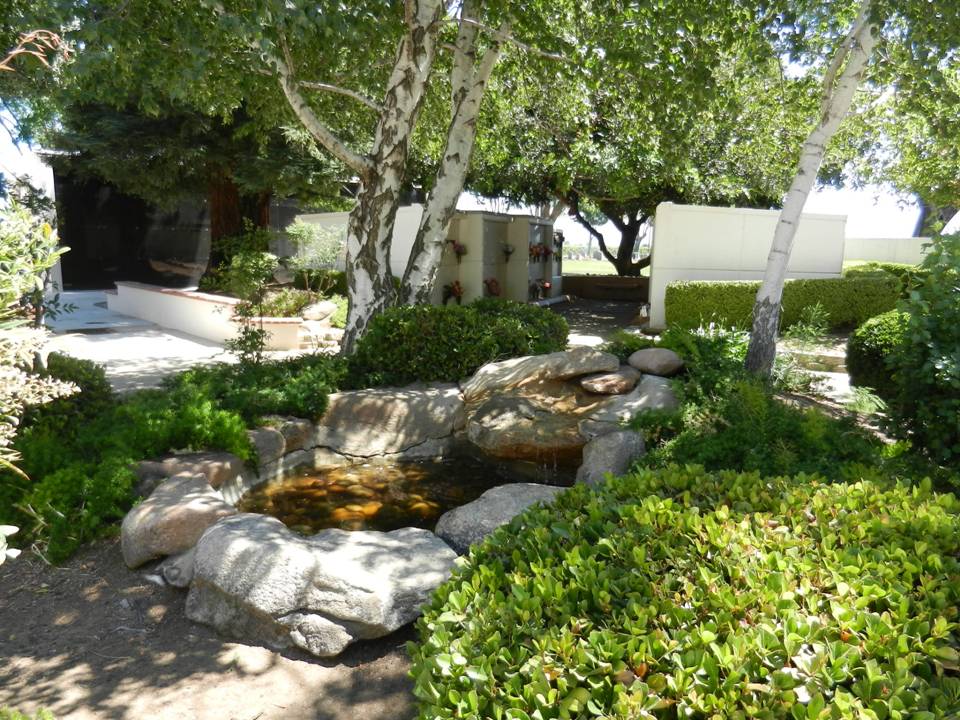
x: 257, y: 581
x: 611, y: 453
x: 516, y: 428
x: 216, y: 467
x: 297, y: 432
x: 656, y: 361
x: 652, y: 393
x: 470, y: 523
x: 497, y: 377
x: 615, y: 383
x: 382, y: 421
x: 171, y: 520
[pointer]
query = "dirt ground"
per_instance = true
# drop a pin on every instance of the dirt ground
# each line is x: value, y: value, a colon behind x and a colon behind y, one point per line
x: 94, y: 640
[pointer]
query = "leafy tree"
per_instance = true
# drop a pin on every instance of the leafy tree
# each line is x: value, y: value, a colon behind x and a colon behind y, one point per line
x: 660, y: 112
x: 179, y: 153
x: 917, y: 38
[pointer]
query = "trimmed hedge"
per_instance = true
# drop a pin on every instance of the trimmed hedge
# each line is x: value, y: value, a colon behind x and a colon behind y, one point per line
x: 681, y: 593
x: 907, y: 275
x: 869, y: 348
x: 448, y: 343
x: 849, y: 301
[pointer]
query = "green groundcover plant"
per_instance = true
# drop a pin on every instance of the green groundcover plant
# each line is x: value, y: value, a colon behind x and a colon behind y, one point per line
x: 681, y: 593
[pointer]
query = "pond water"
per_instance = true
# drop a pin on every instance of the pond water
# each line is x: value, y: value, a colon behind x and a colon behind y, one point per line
x: 375, y: 496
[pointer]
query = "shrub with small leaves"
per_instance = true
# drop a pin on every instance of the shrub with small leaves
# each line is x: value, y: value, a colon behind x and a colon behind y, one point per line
x: 685, y: 594
x: 925, y: 407
x: 449, y: 343
x: 870, y: 347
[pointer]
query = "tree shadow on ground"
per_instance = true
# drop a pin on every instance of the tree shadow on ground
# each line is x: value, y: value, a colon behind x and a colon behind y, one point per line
x: 93, y: 639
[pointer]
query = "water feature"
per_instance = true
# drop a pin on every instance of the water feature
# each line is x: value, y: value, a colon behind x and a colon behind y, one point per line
x: 377, y: 496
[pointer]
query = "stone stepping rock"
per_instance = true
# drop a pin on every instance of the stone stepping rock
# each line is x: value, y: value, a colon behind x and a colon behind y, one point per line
x: 496, y: 377
x: 217, y: 467
x: 656, y: 361
x: 615, y: 383
x: 652, y: 393
x: 612, y: 453
x: 171, y: 520
x: 470, y: 523
x: 257, y: 581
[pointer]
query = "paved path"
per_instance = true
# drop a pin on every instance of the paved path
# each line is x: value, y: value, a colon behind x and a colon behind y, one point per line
x: 592, y: 322
x: 136, y: 354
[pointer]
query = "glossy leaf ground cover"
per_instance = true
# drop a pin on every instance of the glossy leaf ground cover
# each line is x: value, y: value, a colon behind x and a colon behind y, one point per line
x: 678, y: 593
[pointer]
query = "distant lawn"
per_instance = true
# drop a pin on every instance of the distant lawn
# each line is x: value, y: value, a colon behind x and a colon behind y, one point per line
x: 591, y: 267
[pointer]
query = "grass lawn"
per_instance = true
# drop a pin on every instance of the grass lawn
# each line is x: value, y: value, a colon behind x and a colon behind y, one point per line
x: 592, y: 267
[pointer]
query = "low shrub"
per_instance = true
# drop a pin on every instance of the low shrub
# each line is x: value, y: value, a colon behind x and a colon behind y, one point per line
x: 448, y: 343
x: 298, y: 386
x: 925, y: 407
x: 847, y: 302
x: 287, y: 302
x: 80, y: 478
x: 680, y: 593
x: 323, y: 281
x: 10, y: 714
x: 748, y: 429
x: 95, y: 395
x: 906, y: 275
x: 869, y: 348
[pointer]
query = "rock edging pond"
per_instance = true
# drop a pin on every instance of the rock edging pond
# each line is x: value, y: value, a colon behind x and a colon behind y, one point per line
x: 254, y: 579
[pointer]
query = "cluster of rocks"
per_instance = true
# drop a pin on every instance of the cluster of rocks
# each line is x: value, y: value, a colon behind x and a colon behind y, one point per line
x: 316, y: 333
x: 252, y: 578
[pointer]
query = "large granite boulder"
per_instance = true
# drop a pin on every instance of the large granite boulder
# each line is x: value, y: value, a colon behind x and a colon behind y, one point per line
x: 319, y: 311
x: 656, y: 361
x: 497, y: 377
x: 612, y: 453
x: 383, y: 421
x: 171, y: 520
x: 516, y: 428
x: 615, y: 383
x: 652, y: 393
x: 257, y: 581
x: 470, y: 523
x: 216, y: 466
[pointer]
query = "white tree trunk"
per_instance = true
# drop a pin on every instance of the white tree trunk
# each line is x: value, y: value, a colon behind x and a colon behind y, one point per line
x: 370, y: 227
x: 469, y: 80
x: 839, y: 86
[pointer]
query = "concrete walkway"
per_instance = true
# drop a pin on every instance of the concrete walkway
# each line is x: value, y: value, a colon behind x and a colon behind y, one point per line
x: 137, y: 354
x: 593, y: 322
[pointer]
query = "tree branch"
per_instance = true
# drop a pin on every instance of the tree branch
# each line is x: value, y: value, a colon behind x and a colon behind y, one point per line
x: 323, y: 135
x: 502, y: 35
x: 574, y: 204
x: 327, y: 87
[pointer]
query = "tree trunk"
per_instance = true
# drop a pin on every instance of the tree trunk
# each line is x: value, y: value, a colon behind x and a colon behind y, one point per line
x: 228, y: 209
x: 839, y: 86
x: 469, y: 81
x: 370, y: 228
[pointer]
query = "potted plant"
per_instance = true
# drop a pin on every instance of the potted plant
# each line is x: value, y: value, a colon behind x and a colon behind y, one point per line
x: 508, y: 250
x: 492, y: 286
x: 459, y: 249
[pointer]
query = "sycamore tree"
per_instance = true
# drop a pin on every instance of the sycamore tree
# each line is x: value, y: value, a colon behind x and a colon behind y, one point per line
x: 877, y: 45
x: 686, y: 102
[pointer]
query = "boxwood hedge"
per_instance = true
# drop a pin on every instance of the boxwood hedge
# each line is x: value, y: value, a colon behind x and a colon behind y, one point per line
x: 869, y: 348
x: 848, y: 301
x: 448, y: 343
x: 907, y: 275
x: 685, y: 594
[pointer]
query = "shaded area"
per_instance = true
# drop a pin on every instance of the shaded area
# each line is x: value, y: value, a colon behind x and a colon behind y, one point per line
x: 592, y: 322
x: 93, y: 640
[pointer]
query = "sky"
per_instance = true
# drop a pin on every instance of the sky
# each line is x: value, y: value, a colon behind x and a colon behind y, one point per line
x: 871, y: 212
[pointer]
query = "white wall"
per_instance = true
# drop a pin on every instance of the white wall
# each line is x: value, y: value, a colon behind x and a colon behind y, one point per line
x: 404, y: 233
x: 695, y: 242
x: 899, y: 250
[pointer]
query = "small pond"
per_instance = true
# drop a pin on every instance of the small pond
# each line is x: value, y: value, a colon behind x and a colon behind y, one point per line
x: 375, y: 496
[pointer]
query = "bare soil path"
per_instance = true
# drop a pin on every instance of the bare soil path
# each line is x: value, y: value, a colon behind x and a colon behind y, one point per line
x: 93, y: 640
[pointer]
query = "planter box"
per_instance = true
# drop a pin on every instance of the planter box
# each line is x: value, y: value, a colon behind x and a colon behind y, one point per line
x: 196, y: 313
